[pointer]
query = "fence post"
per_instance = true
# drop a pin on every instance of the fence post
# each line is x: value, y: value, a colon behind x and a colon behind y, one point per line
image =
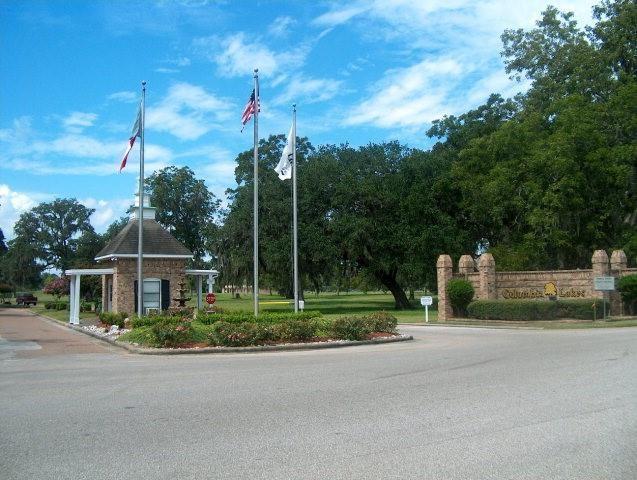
x: 444, y: 267
x: 618, y: 263
x: 486, y: 267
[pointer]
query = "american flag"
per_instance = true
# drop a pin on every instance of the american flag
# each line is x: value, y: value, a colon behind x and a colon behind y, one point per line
x: 248, y: 111
x: 137, y: 132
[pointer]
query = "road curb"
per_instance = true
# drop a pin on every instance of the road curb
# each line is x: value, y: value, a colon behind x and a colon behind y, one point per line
x: 256, y: 349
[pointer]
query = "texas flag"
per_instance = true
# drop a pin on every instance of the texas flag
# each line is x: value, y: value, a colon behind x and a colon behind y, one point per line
x: 137, y: 131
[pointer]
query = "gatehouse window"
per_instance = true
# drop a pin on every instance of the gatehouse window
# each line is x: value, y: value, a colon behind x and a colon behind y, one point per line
x: 152, y: 294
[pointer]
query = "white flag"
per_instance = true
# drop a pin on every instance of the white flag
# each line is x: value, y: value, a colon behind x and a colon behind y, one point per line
x: 284, y: 168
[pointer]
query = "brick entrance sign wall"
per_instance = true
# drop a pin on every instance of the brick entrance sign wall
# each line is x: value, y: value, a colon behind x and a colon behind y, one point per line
x: 530, y: 285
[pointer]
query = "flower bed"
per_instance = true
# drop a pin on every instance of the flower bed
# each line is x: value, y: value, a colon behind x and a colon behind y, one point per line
x: 239, y: 329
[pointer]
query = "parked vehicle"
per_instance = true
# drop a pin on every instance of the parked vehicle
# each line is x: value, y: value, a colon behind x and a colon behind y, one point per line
x: 25, y: 298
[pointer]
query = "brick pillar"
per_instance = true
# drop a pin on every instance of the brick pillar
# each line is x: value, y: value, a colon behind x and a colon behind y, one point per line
x: 445, y: 272
x: 466, y: 265
x: 618, y: 263
x: 486, y: 268
x: 600, y: 268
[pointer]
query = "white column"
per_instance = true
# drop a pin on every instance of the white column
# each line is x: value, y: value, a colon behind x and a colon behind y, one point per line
x: 76, y: 301
x: 72, y: 299
x: 198, y: 292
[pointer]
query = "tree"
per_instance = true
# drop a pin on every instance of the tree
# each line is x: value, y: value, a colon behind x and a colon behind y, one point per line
x: 52, y: 229
x: 3, y: 246
x: 114, y: 228
x: 57, y: 287
x: 184, y: 205
x: 18, y: 266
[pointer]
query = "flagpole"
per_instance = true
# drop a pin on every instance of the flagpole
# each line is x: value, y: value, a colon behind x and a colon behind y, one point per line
x: 140, y: 215
x: 294, y: 214
x: 256, y: 194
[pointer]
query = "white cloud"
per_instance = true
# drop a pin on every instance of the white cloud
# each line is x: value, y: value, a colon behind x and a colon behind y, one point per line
x: 409, y: 96
x: 338, y: 16
x: 124, y: 96
x: 281, y: 26
x: 236, y: 55
x: 188, y: 112
x: 13, y: 204
x: 106, y: 211
x: 308, y: 90
x: 166, y: 70
x: 76, y: 122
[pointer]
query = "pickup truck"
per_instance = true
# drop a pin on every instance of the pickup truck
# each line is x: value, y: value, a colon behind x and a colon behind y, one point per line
x: 25, y: 298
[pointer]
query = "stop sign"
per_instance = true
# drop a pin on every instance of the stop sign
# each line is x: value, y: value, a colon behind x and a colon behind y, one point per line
x: 210, y: 298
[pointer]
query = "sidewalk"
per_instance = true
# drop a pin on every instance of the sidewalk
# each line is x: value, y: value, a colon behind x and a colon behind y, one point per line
x: 20, y: 325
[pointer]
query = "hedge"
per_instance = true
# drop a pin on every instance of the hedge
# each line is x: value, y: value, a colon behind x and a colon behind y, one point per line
x: 460, y: 293
x: 112, y: 318
x: 166, y: 331
x: 265, y: 317
x: 536, y: 309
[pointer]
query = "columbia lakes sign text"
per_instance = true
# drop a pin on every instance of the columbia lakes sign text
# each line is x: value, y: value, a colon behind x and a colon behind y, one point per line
x: 550, y: 290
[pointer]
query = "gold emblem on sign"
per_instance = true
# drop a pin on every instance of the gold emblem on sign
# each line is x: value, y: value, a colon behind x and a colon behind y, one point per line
x: 550, y: 290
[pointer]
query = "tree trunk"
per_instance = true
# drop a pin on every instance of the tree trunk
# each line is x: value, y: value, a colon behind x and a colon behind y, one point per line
x: 389, y: 280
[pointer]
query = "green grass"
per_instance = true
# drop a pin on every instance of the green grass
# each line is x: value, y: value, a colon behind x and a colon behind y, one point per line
x: 330, y: 305
x: 60, y: 315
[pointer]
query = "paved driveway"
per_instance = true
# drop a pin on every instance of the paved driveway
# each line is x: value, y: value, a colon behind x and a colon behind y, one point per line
x: 456, y: 403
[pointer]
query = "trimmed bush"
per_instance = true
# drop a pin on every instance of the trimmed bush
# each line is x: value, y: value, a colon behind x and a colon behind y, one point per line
x: 239, y: 334
x: 169, y: 333
x: 460, y: 293
x: 150, y: 320
x: 381, y: 322
x: 265, y: 317
x: 627, y: 286
x: 294, y: 330
x: 50, y: 305
x: 524, y: 310
x: 61, y: 306
x: 351, y: 328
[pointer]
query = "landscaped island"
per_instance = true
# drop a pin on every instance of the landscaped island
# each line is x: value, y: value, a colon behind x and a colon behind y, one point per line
x: 240, y: 329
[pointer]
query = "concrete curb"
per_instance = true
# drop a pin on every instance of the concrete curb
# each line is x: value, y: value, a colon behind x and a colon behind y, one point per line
x: 256, y: 349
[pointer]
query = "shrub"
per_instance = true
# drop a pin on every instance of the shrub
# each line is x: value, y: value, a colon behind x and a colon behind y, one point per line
x: 5, y: 291
x: 381, y: 322
x: 57, y: 287
x: 85, y: 307
x: 50, y: 305
x: 239, y: 334
x: 627, y: 286
x: 170, y: 333
x: 535, y: 309
x: 351, y: 328
x: 150, y: 320
x: 460, y: 293
x: 113, y: 318
x: 294, y: 330
x: 264, y: 317
x: 61, y: 306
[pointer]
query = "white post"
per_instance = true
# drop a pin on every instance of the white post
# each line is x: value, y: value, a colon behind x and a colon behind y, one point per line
x: 75, y: 320
x: 211, y: 283
x: 426, y: 313
x: 198, y: 292
x: 72, y: 299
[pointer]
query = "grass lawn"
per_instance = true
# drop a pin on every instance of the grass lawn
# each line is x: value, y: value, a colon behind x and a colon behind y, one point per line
x: 330, y: 305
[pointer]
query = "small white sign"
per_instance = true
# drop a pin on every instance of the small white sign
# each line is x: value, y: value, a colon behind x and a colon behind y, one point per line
x: 604, y: 283
x: 426, y: 301
x: 301, y: 304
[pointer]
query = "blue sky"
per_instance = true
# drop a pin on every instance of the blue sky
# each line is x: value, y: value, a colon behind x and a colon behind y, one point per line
x: 359, y: 71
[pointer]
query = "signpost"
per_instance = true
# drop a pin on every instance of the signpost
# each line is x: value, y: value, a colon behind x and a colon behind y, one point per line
x: 604, y: 284
x: 426, y: 302
x: 210, y: 298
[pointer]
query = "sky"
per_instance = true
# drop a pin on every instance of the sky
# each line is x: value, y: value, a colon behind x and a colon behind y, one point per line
x: 359, y: 71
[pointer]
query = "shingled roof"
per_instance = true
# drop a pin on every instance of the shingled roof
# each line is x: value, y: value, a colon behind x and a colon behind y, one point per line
x: 158, y: 242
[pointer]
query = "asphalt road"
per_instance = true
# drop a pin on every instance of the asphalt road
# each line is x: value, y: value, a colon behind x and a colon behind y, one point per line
x: 455, y: 403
